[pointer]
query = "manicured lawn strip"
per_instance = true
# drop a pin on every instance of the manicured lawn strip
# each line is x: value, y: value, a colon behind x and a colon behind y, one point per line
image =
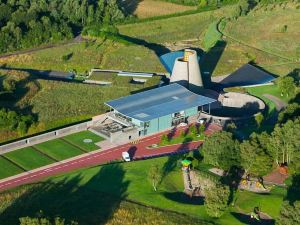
x: 8, y: 169
x: 58, y: 149
x: 182, y: 140
x: 77, y: 139
x: 28, y: 158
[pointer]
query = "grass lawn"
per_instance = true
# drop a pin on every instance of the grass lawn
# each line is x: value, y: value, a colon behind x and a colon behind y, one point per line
x: 83, y: 194
x: 28, y: 158
x: 77, y: 139
x: 59, y: 149
x: 183, y: 139
x: 8, y: 169
x: 268, y: 89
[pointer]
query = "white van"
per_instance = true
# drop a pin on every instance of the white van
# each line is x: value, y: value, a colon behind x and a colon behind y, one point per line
x: 126, y: 156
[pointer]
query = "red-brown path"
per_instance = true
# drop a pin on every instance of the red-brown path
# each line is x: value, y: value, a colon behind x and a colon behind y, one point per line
x: 137, y: 151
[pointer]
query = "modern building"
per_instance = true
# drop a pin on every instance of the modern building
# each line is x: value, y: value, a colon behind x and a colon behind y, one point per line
x: 152, y: 111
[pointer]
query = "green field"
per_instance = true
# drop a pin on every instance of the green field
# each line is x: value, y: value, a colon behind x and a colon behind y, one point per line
x: 173, y: 29
x: 85, y: 193
x: 8, y: 169
x: 28, y: 158
x: 77, y: 139
x: 59, y: 149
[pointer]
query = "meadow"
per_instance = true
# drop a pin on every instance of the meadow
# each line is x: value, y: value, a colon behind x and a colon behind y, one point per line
x: 151, y: 8
x: 96, y: 53
x: 102, y: 190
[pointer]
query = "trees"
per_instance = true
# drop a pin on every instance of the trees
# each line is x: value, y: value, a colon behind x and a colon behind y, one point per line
x: 216, y: 200
x: 289, y: 213
x: 285, y: 142
x: 291, y: 112
x: 155, y: 175
x: 286, y: 85
x: 221, y: 150
x: 44, y: 221
x: 256, y: 158
x: 29, y: 23
x: 259, y: 118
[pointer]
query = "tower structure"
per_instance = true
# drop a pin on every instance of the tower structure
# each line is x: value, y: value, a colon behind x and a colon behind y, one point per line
x: 186, y: 71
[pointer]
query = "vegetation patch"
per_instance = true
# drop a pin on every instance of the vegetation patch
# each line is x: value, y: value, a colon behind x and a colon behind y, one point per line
x: 58, y: 149
x: 78, y: 139
x: 28, y: 158
x: 151, y: 8
x: 8, y: 168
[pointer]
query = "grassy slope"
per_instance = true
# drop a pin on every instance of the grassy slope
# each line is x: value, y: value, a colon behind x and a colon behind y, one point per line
x: 85, y: 56
x: 74, y: 191
x: 28, y: 158
x: 8, y: 169
x: 58, y: 149
x: 77, y: 139
x: 170, y: 29
x: 270, y: 39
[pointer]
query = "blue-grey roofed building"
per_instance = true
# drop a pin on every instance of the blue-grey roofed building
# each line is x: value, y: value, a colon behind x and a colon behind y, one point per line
x: 157, y: 109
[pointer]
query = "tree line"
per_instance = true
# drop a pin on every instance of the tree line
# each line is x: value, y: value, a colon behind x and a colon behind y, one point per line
x: 28, y: 23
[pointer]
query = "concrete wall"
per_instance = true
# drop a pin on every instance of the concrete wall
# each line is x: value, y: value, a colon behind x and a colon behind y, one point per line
x: 45, y: 137
x: 180, y: 73
x: 164, y: 122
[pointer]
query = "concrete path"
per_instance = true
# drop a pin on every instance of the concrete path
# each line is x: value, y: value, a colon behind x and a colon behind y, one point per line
x: 278, y: 102
x: 137, y: 151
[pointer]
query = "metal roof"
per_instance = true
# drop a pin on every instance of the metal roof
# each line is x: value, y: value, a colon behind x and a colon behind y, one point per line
x: 158, y: 102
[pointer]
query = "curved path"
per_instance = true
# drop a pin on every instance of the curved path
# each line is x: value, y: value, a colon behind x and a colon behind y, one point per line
x: 277, y: 101
x: 138, y: 151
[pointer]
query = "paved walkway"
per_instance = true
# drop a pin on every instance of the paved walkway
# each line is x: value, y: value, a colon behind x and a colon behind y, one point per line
x: 277, y: 101
x: 138, y: 151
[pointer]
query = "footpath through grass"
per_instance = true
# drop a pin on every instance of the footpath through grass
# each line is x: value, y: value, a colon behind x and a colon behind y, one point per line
x: 8, y: 169
x: 28, y: 158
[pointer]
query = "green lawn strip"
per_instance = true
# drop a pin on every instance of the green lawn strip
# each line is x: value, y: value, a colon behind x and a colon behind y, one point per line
x: 77, y: 139
x: 58, y: 149
x: 28, y: 158
x: 183, y: 139
x: 8, y: 169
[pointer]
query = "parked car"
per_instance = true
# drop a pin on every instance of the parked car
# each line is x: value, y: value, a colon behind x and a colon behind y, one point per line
x: 126, y: 156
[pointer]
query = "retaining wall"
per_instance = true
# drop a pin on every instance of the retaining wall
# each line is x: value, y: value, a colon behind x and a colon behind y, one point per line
x: 45, y: 137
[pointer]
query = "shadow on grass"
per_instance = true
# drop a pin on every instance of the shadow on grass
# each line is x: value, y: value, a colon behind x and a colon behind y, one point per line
x: 246, y: 219
x: 88, y: 204
x: 181, y: 197
x: 293, y: 193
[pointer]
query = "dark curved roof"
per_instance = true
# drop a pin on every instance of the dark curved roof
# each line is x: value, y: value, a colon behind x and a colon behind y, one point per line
x: 247, y: 75
x: 158, y: 102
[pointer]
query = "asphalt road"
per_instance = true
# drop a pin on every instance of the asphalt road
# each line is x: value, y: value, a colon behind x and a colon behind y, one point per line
x: 137, y: 151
